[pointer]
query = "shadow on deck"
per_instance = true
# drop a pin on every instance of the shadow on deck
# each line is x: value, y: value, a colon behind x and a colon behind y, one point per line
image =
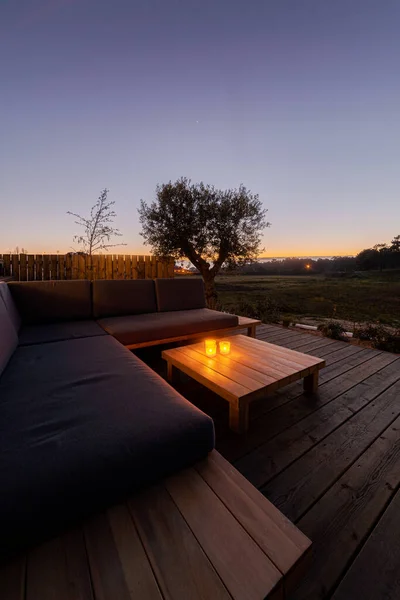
x: 329, y: 462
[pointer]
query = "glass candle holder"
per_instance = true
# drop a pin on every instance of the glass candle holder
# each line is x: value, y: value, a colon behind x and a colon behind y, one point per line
x: 224, y: 347
x: 210, y: 347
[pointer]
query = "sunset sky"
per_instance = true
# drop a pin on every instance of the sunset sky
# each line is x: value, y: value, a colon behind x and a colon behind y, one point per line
x: 299, y: 100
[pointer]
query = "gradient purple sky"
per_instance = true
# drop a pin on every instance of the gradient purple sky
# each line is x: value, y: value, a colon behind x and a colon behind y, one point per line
x: 297, y: 99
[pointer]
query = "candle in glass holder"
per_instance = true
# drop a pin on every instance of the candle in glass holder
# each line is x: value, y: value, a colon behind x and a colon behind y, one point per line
x: 210, y: 347
x: 224, y: 347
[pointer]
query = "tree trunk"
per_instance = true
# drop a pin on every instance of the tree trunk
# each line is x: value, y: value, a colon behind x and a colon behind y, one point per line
x: 211, y: 293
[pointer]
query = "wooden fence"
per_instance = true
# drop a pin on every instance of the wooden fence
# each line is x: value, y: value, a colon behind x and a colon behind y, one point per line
x: 39, y: 267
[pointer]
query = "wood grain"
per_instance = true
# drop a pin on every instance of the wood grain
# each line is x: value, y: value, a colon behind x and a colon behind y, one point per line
x: 12, y: 579
x: 58, y: 570
x: 342, y: 520
x: 307, y: 479
x: 246, y: 571
x: 181, y: 567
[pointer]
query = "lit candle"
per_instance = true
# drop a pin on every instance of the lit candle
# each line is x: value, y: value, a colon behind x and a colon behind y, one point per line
x: 224, y: 347
x: 210, y: 347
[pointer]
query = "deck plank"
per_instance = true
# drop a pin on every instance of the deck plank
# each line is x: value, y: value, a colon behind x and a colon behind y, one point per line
x: 289, y: 410
x: 58, y: 569
x: 12, y: 579
x: 380, y: 555
x: 277, y: 454
x: 106, y: 569
x: 305, y: 481
x: 285, y: 545
x: 342, y: 520
x: 246, y: 571
x: 182, y: 568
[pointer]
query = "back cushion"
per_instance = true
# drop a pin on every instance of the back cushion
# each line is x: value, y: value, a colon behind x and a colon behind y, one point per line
x: 8, y: 336
x: 10, y: 306
x: 180, y: 294
x: 52, y: 301
x: 114, y: 298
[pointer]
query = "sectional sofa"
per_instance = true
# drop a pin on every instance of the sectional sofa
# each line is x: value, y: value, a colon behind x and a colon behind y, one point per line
x: 83, y: 421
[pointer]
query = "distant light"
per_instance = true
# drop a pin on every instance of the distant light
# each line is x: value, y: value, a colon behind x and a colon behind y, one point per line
x: 308, y: 266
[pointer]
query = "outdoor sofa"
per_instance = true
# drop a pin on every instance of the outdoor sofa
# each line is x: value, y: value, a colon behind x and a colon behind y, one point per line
x: 83, y: 421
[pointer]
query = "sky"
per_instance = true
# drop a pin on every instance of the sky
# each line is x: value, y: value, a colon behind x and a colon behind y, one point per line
x: 299, y: 100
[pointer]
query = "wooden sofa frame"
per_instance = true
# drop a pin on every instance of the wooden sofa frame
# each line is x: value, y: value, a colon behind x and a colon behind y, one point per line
x: 203, y: 533
x: 244, y: 323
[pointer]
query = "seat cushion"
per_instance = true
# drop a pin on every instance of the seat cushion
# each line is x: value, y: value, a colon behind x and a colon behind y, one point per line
x: 10, y: 305
x: 113, y: 298
x: 136, y: 329
x: 184, y: 293
x: 83, y: 423
x: 52, y: 301
x: 8, y: 341
x: 56, y: 332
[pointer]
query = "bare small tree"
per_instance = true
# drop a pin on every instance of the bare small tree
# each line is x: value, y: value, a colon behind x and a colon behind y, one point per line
x: 98, y: 229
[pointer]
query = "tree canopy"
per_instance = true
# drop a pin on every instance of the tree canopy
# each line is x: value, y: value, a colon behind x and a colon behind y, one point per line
x: 209, y: 227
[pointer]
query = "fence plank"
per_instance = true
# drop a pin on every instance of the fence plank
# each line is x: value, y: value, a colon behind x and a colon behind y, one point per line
x: 54, y: 266
x: 68, y: 266
x: 102, y: 267
x: 7, y: 264
x: 61, y: 266
x: 15, y: 266
x: 128, y: 266
x: 38, y: 275
x: 22, y: 267
x: 141, y: 273
x: 147, y: 267
x: 153, y: 267
x: 75, y: 266
x: 135, y: 273
x: 30, y: 267
x: 121, y: 266
x: 81, y: 267
x: 95, y: 266
x: 171, y: 267
x: 109, y: 267
x: 46, y: 267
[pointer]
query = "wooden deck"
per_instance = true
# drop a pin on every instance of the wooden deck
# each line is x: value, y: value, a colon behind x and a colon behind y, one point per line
x: 203, y: 533
x: 329, y: 462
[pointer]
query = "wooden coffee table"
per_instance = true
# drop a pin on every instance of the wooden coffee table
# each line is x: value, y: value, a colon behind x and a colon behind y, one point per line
x: 252, y: 370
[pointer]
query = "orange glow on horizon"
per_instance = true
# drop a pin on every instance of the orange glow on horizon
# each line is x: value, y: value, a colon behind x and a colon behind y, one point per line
x: 271, y: 253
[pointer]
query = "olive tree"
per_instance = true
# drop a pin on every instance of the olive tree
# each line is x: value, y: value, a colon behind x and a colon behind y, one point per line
x: 209, y: 227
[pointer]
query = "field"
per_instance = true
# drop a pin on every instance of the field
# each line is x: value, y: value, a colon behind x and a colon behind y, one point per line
x: 362, y: 297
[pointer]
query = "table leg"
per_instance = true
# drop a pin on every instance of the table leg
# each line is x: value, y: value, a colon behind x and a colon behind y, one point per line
x: 311, y: 383
x: 251, y: 331
x: 239, y: 416
x: 170, y: 374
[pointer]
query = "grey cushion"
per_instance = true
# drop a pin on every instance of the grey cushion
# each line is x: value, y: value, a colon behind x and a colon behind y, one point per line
x: 183, y: 293
x: 55, y: 332
x: 8, y: 341
x: 159, y: 326
x: 52, y: 301
x: 10, y: 305
x: 113, y: 298
x: 83, y: 423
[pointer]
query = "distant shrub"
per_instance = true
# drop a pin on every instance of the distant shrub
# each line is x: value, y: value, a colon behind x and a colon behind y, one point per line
x: 370, y: 332
x: 333, y: 330
x: 381, y: 337
x: 265, y: 309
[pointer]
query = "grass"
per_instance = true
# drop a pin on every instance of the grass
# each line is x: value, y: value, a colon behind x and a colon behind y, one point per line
x: 364, y: 297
